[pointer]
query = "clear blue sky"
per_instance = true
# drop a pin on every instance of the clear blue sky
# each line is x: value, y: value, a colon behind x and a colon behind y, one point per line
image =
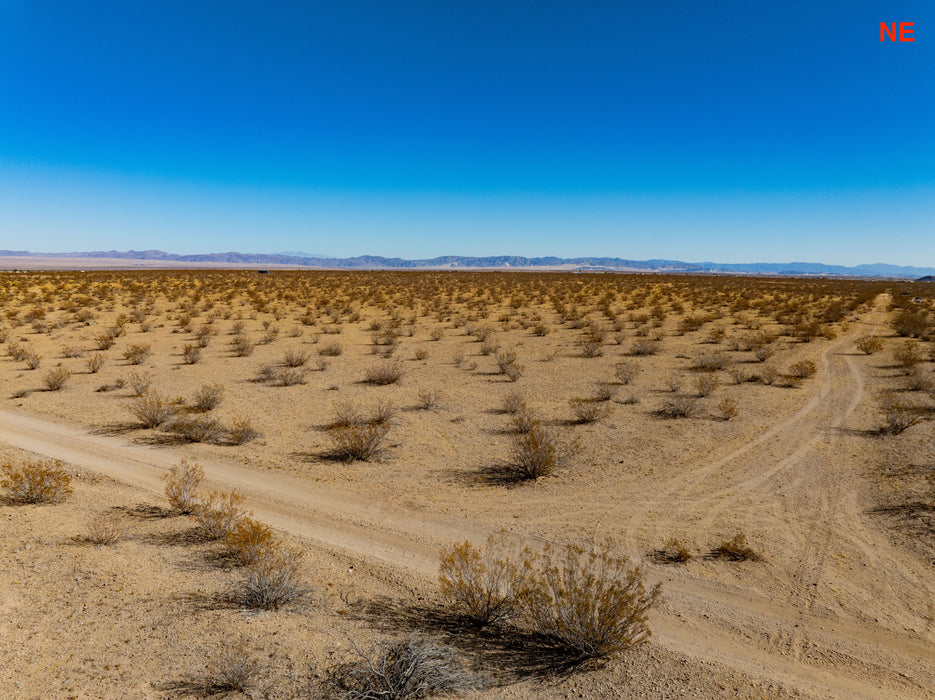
x: 731, y: 131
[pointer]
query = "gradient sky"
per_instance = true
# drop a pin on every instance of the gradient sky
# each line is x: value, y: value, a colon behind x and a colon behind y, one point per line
x: 725, y: 131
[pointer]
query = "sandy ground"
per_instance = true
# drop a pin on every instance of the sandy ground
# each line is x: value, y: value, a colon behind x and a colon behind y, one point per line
x: 841, y: 604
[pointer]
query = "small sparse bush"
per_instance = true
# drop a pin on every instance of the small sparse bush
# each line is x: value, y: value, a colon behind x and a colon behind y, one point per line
x: 272, y: 581
x: 762, y: 352
x: 295, y: 358
x: 917, y: 380
x: 803, y: 369
x: 898, y: 416
x: 588, y: 410
x: 421, y: 354
x: 197, y: 429
x: 191, y: 354
x: 593, y: 603
x: 705, y: 384
x: 291, y: 376
x: 220, y: 513
x: 208, y: 397
x: 358, y: 441
x: 137, y: 354
x: 769, y: 374
x: 482, y: 587
x: 71, y: 351
x: 539, y: 452
x: 735, y: 549
x: 681, y: 406
x: 907, y: 355
x: 738, y: 375
x: 33, y: 360
x: 182, y: 482
x: 140, y: 383
x: 605, y: 391
x: 330, y: 349
x: 242, y: 346
x: 94, y: 364
x: 727, y: 408
x: 241, y: 431
x: 673, y: 552
x: 711, y: 362
x: 626, y: 371
x: 249, y: 540
x: 56, y: 378
x: 644, y: 347
x: 152, y: 409
x: 427, y: 399
x: 233, y: 669
x: 869, y: 344
x: 383, y: 374
x: 513, y: 402
x: 41, y: 481
x: 399, y: 670
x: 106, y: 528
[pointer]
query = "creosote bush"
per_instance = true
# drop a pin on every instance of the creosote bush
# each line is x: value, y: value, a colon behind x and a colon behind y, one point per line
x: 152, y: 409
x: 248, y: 540
x: 219, y: 514
x: 208, y: 397
x: 241, y: 430
x: 137, y: 354
x: 869, y: 344
x: 182, y: 482
x: 539, y: 452
x: 588, y: 410
x: 94, y: 364
x: 56, y: 378
x: 673, y: 552
x: 40, y: 481
x: 383, y: 374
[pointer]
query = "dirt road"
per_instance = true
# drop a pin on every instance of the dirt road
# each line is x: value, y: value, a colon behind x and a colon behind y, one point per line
x: 836, y: 611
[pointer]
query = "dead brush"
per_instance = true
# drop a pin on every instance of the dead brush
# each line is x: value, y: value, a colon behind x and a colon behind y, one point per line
x: 591, y: 602
x: 673, y: 551
x: 271, y: 581
x: 898, y: 416
x: 427, y: 399
x: 219, y: 514
x: 539, y: 452
x: 152, y: 409
x: 106, y: 528
x: 182, y: 482
x: 56, y: 378
x: 735, y: 549
x: 869, y: 344
x: 248, y: 540
x: 626, y: 371
x: 39, y: 481
x: 137, y: 354
x: 191, y: 354
x: 384, y: 374
x: 705, y: 384
x: 232, y: 669
x: 679, y: 406
x: 241, y: 431
x: 587, y: 410
x: 513, y: 402
x: 358, y: 442
x: 208, y: 397
x: 197, y: 429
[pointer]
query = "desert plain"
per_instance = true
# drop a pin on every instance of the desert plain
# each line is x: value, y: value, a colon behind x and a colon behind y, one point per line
x: 684, y: 411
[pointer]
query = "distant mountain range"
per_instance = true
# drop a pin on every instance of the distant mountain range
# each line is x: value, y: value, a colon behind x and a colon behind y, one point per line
x: 497, y: 262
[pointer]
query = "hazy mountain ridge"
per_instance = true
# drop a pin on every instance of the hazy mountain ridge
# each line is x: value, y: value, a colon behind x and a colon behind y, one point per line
x: 499, y: 261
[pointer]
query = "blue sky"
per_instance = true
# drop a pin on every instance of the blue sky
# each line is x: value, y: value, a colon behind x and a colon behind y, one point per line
x: 725, y: 131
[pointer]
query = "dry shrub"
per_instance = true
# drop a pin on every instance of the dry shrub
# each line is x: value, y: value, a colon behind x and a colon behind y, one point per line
x: 588, y: 410
x: 681, y: 406
x: 508, y: 366
x: 524, y: 420
x: 907, y: 355
x: 242, y: 346
x: 197, y: 429
x: 673, y: 552
x: 711, y: 362
x: 362, y: 441
x: 152, y: 409
x: 71, y: 351
x: 803, y: 369
x: 182, y: 482
x: 644, y: 347
x: 591, y: 348
x: 898, y: 416
x: 241, y: 430
x: 56, y: 378
x: 539, y: 452
x: 762, y: 352
x: 917, y: 380
x: 106, y: 340
x: 208, y: 397
x: 106, y: 528
x: 399, y: 670
x: 421, y: 354
x: 482, y: 587
x: 40, y: 481
x: 427, y: 399
x: 384, y: 374
x: 295, y: 358
x: 513, y: 402
x: 219, y: 514
x: 869, y: 344
x: 94, y: 364
x: 249, y: 539
x: 735, y: 549
x: 769, y: 374
x: 593, y: 603
x: 191, y: 354
x: 139, y: 383
x: 137, y: 354
x: 705, y: 384
x: 233, y: 669
x: 626, y: 371
x: 738, y: 375
x: 727, y: 408
x: 330, y: 349
x: 33, y: 360
x: 272, y: 579
x: 290, y: 376
x: 604, y: 391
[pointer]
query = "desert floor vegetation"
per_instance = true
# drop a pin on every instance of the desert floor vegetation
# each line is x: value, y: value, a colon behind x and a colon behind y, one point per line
x: 399, y: 413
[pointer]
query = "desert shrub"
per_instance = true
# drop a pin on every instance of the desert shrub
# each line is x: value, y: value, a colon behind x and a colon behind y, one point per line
x: 400, y: 669
x: 362, y: 441
x: 295, y: 358
x: 197, y: 429
x: 203, y: 336
x: 591, y: 348
x: 588, y: 410
x: 907, y: 355
x: 241, y: 431
x: 869, y: 344
x: 437, y: 334
x: 593, y: 603
x: 738, y: 375
x: 291, y: 376
x: 106, y: 528
x: 513, y: 402
x: 427, y: 399
x: 910, y: 323
x: 762, y: 352
x: 33, y: 360
x: 917, y: 380
x: 643, y: 347
x: 330, y: 349
x: 137, y: 354
x: 383, y: 374
x: 40, y: 481
x: 139, y: 383
x: 208, y: 397
x: 242, y: 346
x: 524, y: 420
x: 540, y: 329
x: 803, y: 369
x: 626, y: 371
x: 56, y: 378
x: 233, y: 669
x: 248, y: 541
x: 898, y: 416
x: 219, y: 514
x: 735, y: 549
x: 680, y: 406
x: 727, y: 408
x: 481, y: 587
x: 191, y: 354
x: 769, y: 374
x: 673, y: 551
x: 71, y: 351
x: 539, y: 452
x: 182, y: 482
x: 106, y: 340
x: 272, y: 579
x: 711, y: 361
x: 705, y: 384
x: 152, y: 409
x: 604, y: 391
x: 94, y: 364
x: 421, y: 354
